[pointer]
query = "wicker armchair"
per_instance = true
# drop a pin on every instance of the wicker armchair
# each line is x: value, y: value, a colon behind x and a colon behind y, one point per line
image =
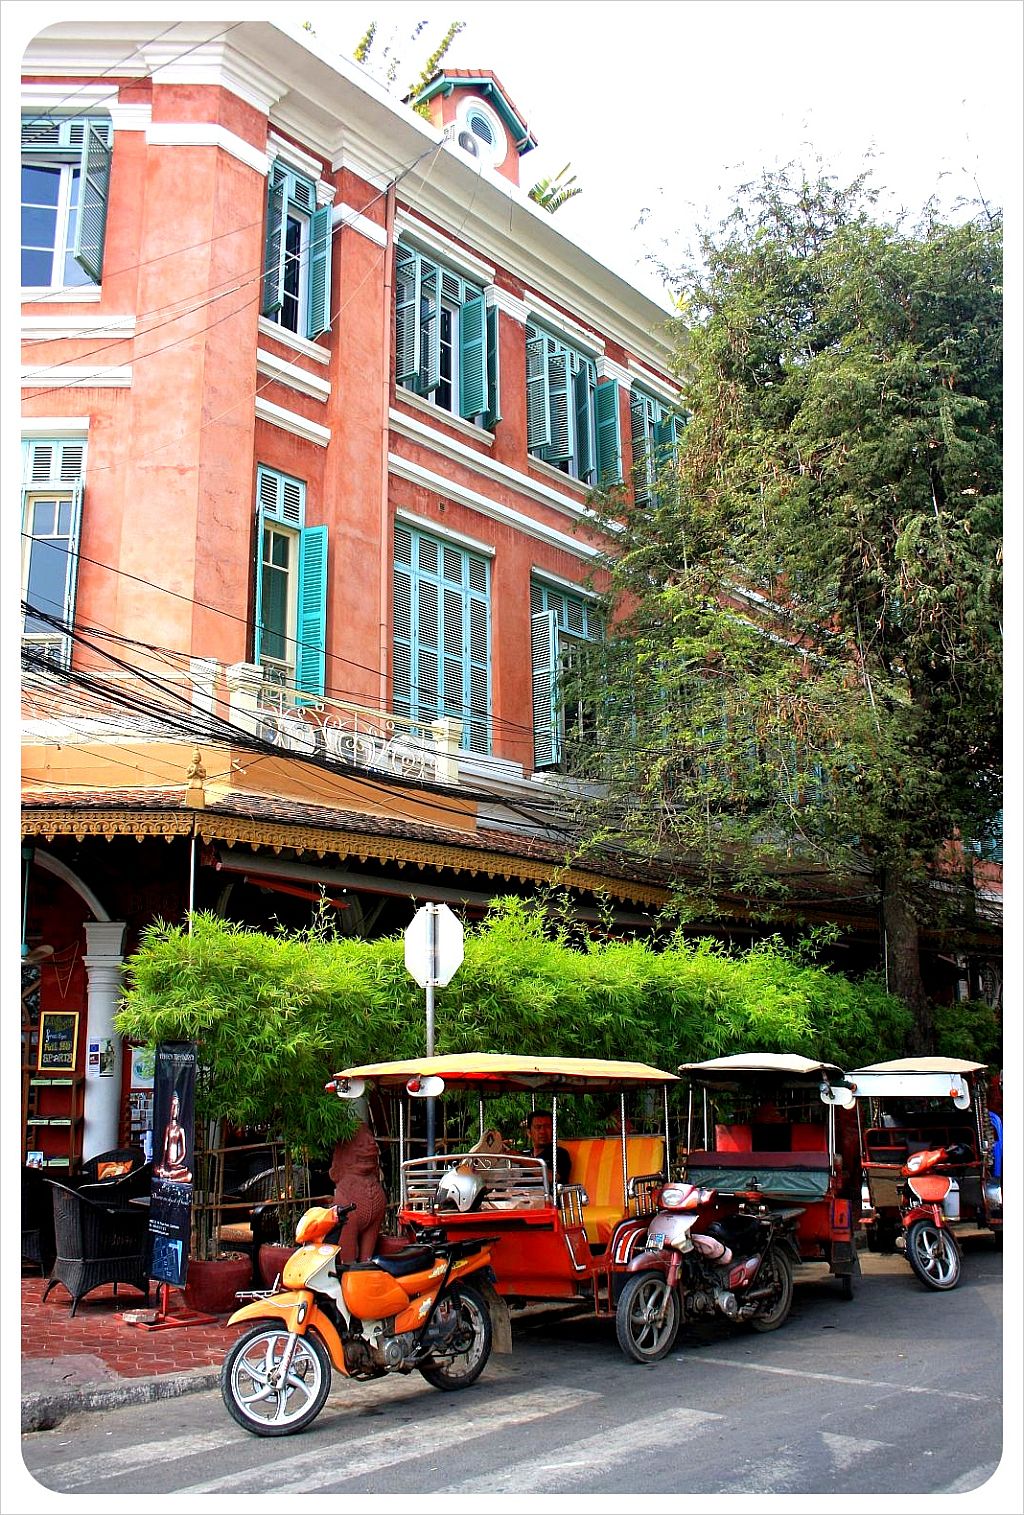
x: 97, y: 1244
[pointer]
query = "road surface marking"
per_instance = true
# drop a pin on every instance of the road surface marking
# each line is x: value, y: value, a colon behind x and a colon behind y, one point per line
x: 848, y: 1450
x: 310, y: 1469
x: 92, y: 1469
x: 870, y: 1383
x: 596, y: 1454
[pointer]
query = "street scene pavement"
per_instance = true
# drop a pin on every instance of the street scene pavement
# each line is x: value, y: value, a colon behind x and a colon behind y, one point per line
x: 896, y: 1393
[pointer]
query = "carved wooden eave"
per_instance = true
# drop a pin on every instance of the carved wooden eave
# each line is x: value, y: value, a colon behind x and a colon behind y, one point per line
x: 322, y: 841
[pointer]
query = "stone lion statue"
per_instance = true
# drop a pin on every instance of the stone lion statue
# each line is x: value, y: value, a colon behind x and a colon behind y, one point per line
x: 354, y: 1174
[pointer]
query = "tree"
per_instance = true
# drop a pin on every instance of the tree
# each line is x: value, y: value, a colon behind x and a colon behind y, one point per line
x: 807, y: 680
x: 385, y: 62
x: 552, y: 191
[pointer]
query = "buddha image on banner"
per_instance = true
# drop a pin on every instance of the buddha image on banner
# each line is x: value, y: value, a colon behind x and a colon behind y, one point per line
x: 170, y: 1209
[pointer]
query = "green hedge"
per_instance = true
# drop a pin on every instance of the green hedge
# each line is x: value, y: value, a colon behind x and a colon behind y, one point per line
x: 275, y: 1015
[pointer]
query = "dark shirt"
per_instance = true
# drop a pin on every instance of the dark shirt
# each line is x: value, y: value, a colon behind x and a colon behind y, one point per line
x: 563, y: 1160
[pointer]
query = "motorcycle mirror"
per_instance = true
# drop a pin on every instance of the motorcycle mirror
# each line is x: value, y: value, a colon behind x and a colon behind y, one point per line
x: 837, y: 1094
x: 346, y: 1088
x: 427, y: 1086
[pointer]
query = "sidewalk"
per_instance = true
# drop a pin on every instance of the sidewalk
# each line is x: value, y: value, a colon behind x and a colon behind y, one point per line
x: 97, y: 1361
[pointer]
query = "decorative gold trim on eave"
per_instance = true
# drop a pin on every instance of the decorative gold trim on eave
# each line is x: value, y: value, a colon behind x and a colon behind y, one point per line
x: 322, y: 840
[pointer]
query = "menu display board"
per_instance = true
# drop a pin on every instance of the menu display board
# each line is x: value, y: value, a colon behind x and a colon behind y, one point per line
x: 58, y: 1041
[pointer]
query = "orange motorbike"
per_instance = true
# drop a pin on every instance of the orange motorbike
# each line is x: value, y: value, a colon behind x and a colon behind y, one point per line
x: 431, y: 1306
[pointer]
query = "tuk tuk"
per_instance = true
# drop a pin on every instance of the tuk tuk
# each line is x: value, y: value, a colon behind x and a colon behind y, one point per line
x: 932, y: 1159
x: 782, y: 1127
x: 570, y: 1241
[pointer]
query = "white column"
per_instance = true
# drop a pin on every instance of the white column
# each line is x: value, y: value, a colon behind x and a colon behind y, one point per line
x: 104, y: 956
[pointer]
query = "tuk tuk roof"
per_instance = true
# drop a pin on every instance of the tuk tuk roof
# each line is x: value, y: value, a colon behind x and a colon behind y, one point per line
x: 921, y: 1065
x: 472, y: 1069
x: 745, y: 1065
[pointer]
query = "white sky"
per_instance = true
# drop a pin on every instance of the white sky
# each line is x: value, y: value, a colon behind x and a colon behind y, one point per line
x: 669, y: 106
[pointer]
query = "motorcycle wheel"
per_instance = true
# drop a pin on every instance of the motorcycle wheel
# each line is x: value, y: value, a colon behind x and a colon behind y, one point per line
x: 934, y: 1254
x: 775, y: 1311
x: 465, y: 1358
x: 636, y: 1318
x: 251, y: 1398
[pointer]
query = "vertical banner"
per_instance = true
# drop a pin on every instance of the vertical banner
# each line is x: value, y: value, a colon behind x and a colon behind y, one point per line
x: 170, y: 1205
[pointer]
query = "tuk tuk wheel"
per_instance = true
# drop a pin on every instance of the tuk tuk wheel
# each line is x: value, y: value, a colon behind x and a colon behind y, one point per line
x: 646, y: 1334
x: 775, y: 1311
x: 934, y: 1255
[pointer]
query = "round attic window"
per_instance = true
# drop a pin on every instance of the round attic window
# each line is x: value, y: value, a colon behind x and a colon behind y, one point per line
x: 487, y: 140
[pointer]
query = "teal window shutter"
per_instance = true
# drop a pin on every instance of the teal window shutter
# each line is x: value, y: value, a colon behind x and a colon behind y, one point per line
x: 273, y: 251
x: 71, y: 587
x: 94, y: 192
x: 544, y: 661
x: 430, y: 327
x: 559, y: 378
x: 538, y: 418
x: 638, y: 431
x: 609, y: 441
x: 311, y: 620
x: 584, y: 420
x: 318, y: 303
x: 407, y: 326
x: 472, y: 359
x: 493, y: 415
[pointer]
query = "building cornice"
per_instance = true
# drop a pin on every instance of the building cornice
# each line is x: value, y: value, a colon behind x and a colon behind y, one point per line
x: 134, y: 117
x: 301, y: 345
x: 35, y: 328
x: 65, y: 376
x: 509, y: 305
x: 350, y: 219
x: 206, y: 134
x: 607, y: 368
x: 413, y: 230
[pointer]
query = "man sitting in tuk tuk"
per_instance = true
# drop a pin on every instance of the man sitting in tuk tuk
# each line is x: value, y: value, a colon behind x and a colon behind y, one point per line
x: 540, y: 1132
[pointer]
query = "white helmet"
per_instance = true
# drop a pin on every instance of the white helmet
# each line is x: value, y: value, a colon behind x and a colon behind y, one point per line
x: 458, y: 1191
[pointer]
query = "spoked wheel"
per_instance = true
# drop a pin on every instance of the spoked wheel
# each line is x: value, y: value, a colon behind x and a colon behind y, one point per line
x: 778, y: 1271
x: 934, y: 1254
x: 253, y: 1388
x: 647, y: 1318
x: 464, y: 1357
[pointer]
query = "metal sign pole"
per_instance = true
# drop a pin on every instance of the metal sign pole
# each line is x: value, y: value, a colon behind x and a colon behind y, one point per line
x: 432, y: 969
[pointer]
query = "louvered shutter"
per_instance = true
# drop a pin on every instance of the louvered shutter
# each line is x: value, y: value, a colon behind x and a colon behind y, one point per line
x: 278, y: 498
x: 401, y: 637
x: 544, y: 660
x: 273, y: 250
x: 311, y: 619
x: 53, y: 462
x: 94, y: 192
x: 472, y: 359
x: 609, y: 440
x: 538, y: 418
x: 430, y: 327
x: 638, y: 430
x: 493, y: 415
x: 584, y: 421
x: 407, y: 326
x: 71, y: 584
x: 453, y: 693
x: 559, y: 403
x: 318, y: 303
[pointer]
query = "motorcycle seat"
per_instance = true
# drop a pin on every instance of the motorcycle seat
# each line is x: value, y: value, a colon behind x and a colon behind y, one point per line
x: 410, y: 1260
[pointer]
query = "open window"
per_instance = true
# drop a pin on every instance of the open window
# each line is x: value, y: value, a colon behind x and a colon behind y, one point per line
x: 446, y: 339
x: 65, y: 187
x: 297, y: 255
x: 290, y: 632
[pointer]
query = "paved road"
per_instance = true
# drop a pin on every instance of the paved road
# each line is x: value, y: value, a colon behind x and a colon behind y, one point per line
x: 890, y: 1394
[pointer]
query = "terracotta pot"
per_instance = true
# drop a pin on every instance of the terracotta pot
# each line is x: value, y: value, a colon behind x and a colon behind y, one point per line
x: 212, y: 1286
x: 272, y: 1258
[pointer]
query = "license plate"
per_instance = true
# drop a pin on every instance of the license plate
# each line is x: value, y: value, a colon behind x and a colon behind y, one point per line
x: 655, y: 1241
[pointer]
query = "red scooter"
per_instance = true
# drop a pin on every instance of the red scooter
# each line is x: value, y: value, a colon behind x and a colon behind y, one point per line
x: 929, y: 1200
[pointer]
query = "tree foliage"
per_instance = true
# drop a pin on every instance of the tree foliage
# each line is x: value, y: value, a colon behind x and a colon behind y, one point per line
x: 274, y: 1016
x: 807, y: 683
x: 553, y: 190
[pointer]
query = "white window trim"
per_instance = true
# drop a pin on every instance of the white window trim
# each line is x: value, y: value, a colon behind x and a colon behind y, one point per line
x: 554, y: 472
x: 302, y: 162
x: 410, y: 397
x: 35, y: 328
x: 70, y: 294
x: 83, y: 99
x: 554, y: 581
x: 350, y: 219
x: 302, y: 345
x: 660, y: 388
x: 444, y: 533
x: 272, y: 367
x: 61, y: 376
x: 302, y: 260
x: 586, y: 342
x: 51, y: 426
x: 291, y: 421
x: 292, y: 629
x: 435, y: 244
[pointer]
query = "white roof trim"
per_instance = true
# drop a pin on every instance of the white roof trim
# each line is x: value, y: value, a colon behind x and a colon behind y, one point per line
x: 440, y: 529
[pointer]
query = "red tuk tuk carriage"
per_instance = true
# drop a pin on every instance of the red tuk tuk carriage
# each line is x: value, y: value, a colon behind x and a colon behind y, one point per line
x: 932, y: 1155
x: 568, y: 1242
x: 780, y: 1126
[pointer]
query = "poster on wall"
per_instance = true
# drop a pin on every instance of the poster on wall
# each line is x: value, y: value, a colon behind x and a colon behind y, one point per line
x: 58, y: 1041
x: 170, y: 1205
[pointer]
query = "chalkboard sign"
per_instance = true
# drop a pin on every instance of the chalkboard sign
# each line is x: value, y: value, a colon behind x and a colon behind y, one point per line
x: 58, y: 1040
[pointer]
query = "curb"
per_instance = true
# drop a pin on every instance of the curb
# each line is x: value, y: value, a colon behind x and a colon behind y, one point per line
x: 44, y: 1410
